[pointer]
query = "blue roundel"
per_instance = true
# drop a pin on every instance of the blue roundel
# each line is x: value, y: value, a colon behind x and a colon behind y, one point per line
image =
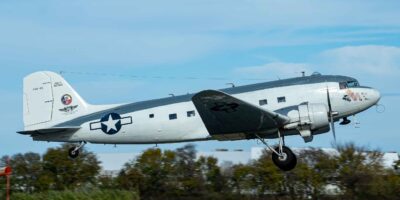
x: 111, y: 123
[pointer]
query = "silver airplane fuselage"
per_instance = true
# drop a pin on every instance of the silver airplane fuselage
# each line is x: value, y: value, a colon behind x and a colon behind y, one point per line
x: 176, y: 119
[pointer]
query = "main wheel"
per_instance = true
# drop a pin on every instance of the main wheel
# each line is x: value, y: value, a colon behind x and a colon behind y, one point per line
x: 72, y: 153
x: 287, y: 161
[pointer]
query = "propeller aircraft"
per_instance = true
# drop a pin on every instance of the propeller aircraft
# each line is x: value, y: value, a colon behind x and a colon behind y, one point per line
x: 303, y: 106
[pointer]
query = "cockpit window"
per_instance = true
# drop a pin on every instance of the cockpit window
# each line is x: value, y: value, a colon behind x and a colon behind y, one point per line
x: 348, y: 84
x: 342, y: 85
x: 351, y: 84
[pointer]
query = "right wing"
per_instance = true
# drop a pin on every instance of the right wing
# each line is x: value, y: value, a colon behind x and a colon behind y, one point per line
x: 226, y: 115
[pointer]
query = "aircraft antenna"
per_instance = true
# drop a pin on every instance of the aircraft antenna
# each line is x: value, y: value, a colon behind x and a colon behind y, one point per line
x: 231, y: 84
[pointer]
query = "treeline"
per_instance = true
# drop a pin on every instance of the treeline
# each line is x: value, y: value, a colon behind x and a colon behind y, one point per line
x: 353, y: 173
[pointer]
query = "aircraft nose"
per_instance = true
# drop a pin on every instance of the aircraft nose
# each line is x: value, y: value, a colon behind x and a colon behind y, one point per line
x: 375, y: 95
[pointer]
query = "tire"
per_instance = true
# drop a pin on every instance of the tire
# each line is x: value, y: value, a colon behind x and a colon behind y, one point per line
x: 73, y: 154
x: 287, y: 163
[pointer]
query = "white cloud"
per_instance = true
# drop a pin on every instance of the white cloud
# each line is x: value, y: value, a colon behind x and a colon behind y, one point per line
x: 368, y: 63
x: 366, y: 60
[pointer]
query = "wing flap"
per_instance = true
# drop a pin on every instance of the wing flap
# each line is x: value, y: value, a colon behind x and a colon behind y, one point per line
x: 223, y: 114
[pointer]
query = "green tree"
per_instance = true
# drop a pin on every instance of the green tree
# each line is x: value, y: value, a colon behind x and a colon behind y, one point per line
x: 215, y: 181
x: 95, y: 194
x: 129, y: 178
x: 27, y: 171
x: 313, y: 172
x: 151, y: 173
x: 190, y: 178
x: 388, y: 186
x: 106, y: 182
x: 178, y: 174
x: 308, y: 180
x: 62, y: 172
x: 269, y: 179
x: 173, y: 174
x: 243, y: 179
x: 358, y: 170
x: 3, y: 163
x: 397, y: 166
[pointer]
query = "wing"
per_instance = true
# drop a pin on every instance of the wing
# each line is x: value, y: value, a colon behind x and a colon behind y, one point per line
x: 227, y: 117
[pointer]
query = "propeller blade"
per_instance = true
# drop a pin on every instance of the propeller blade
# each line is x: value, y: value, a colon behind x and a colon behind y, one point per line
x: 329, y: 102
x: 333, y: 130
x: 332, y: 122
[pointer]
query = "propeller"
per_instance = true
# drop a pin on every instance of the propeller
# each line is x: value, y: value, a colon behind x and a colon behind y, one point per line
x: 331, y: 115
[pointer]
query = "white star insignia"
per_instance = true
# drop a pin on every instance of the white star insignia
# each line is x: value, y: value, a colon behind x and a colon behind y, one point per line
x: 110, y: 123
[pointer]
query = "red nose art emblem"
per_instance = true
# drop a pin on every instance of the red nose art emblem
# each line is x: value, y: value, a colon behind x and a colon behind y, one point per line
x: 66, y: 99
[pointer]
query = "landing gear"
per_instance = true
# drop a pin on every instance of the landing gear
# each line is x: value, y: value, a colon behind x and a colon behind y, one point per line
x: 345, y: 121
x: 73, y: 152
x: 286, y: 161
x: 282, y: 156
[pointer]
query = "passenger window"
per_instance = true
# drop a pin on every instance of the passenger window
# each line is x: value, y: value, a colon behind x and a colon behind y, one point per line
x: 281, y: 99
x: 151, y: 116
x: 191, y: 113
x: 263, y: 102
x: 173, y: 116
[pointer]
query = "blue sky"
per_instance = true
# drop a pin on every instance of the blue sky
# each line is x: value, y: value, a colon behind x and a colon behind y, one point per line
x: 235, y: 41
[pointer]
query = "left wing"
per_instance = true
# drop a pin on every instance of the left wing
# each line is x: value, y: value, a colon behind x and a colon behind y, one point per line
x: 227, y: 117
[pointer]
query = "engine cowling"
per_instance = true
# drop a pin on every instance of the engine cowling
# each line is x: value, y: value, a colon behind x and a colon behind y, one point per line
x: 316, y: 115
x: 308, y: 119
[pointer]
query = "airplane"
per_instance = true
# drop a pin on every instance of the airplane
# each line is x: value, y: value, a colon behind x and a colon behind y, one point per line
x: 303, y: 106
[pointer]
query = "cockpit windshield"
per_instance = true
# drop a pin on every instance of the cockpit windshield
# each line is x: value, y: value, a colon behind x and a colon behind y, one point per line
x: 351, y: 84
x: 348, y: 84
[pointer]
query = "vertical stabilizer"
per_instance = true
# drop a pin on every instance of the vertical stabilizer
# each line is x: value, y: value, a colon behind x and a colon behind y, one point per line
x: 48, y: 99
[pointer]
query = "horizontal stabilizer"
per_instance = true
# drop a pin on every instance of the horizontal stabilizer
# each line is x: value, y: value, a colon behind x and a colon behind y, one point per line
x: 50, y: 130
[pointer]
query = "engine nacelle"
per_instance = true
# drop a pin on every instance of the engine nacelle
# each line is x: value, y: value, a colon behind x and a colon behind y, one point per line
x: 316, y: 115
x: 308, y: 119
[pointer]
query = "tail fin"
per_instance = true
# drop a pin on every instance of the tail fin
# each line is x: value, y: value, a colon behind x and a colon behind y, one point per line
x: 49, y: 99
